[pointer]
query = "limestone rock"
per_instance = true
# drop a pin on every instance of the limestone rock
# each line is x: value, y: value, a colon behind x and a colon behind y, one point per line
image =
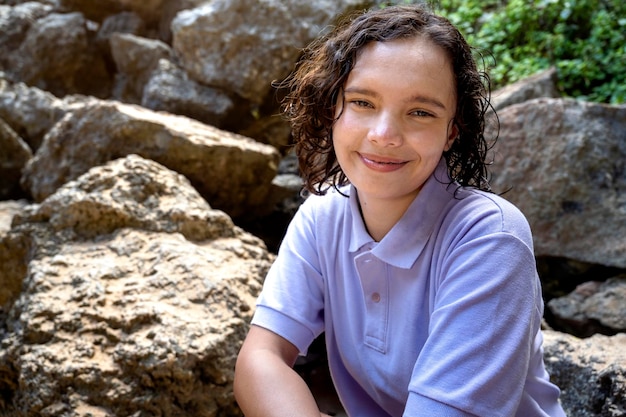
x: 170, y: 89
x: 30, y: 111
x: 141, y: 318
x: 594, y: 307
x: 241, y: 46
x: 232, y: 172
x: 58, y: 54
x: 14, y: 153
x: 542, y: 84
x: 15, y: 22
x: 590, y: 372
x: 169, y: 11
x: 135, y: 58
x: 8, y: 209
x: 132, y: 192
x: 565, y: 164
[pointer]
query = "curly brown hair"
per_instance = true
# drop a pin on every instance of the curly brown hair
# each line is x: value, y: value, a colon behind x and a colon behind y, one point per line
x: 320, y: 74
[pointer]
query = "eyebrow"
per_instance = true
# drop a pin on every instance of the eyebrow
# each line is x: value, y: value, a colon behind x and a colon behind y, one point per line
x: 417, y: 98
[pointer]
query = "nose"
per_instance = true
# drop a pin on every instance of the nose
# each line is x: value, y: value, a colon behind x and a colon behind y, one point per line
x: 385, y: 130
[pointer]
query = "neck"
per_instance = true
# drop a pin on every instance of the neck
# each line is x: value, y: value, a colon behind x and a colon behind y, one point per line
x: 380, y: 216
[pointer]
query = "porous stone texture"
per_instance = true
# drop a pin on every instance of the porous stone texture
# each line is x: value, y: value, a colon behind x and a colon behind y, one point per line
x: 564, y: 164
x: 231, y: 172
x: 590, y: 372
x: 133, y: 298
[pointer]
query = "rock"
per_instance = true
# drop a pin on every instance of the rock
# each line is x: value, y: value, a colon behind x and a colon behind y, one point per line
x: 594, y: 307
x: 240, y: 45
x: 564, y: 162
x: 135, y: 58
x: 271, y: 129
x: 170, y: 89
x: 15, y: 22
x: 30, y: 111
x: 590, y: 372
x: 130, y: 188
x: 149, y: 10
x: 233, y: 173
x: 142, y: 318
x: 58, y: 54
x: 8, y: 209
x: 15, y: 154
x: 122, y: 23
x: 542, y: 84
x: 168, y: 13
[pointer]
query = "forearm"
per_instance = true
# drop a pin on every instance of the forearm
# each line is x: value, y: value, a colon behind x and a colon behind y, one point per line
x: 267, y: 387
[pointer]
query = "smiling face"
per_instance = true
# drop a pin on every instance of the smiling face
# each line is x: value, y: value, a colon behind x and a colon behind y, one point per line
x: 395, y: 120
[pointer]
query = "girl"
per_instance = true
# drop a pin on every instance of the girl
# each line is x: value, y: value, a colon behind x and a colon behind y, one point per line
x: 423, y: 281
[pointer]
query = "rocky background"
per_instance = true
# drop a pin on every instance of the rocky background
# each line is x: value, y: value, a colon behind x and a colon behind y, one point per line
x: 145, y: 183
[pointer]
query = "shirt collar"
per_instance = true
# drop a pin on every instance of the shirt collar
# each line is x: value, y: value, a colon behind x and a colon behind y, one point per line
x: 408, y: 237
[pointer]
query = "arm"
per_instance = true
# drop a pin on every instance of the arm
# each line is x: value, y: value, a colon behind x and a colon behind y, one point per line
x: 265, y: 382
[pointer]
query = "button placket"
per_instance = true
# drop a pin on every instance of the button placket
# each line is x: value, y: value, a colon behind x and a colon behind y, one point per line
x: 374, y: 282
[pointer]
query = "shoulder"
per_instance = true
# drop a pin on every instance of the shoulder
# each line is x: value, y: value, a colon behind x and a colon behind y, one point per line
x: 319, y: 214
x: 330, y: 205
x: 488, y: 213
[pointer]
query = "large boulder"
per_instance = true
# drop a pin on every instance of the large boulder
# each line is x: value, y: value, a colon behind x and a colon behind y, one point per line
x: 134, y: 298
x: 232, y: 172
x: 57, y: 53
x: 240, y: 45
x: 541, y: 84
x: 15, y: 23
x: 564, y: 162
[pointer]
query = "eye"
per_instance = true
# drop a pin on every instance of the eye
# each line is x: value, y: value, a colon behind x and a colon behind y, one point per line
x: 421, y: 113
x: 361, y: 103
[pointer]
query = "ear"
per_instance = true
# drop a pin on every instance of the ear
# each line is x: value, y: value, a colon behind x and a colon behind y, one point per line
x: 453, y: 133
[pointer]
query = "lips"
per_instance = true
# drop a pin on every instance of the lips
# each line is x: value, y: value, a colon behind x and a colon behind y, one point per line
x: 381, y: 163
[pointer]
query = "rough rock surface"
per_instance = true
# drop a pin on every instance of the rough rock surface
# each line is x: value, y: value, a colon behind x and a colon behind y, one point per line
x: 170, y: 89
x: 58, y: 54
x: 542, y: 84
x: 593, y: 307
x: 14, y: 154
x: 124, y: 293
x: 135, y: 299
x: 30, y: 111
x: 241, y: 45
x: 590, y: 372
x: 565, y: 164
x: 135, y: 58
x: 231, y: 172
x: 8, y: 210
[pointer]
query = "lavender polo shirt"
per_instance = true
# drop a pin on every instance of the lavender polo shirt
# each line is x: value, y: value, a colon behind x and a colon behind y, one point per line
x: 439, y: 318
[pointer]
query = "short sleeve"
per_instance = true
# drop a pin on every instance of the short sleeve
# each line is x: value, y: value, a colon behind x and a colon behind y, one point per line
x: 291, y: 302
x: 485, y: 316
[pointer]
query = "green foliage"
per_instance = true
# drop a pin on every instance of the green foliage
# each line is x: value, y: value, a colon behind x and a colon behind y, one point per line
x: 584, y: 39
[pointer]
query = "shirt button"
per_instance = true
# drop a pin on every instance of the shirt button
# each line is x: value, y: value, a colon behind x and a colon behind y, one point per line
x: 375, y: 297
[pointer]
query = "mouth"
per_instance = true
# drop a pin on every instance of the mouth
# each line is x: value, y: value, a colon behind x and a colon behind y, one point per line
x: 381, y: 163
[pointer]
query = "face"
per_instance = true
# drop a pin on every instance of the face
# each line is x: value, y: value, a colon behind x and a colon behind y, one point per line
x: 395, y: 119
